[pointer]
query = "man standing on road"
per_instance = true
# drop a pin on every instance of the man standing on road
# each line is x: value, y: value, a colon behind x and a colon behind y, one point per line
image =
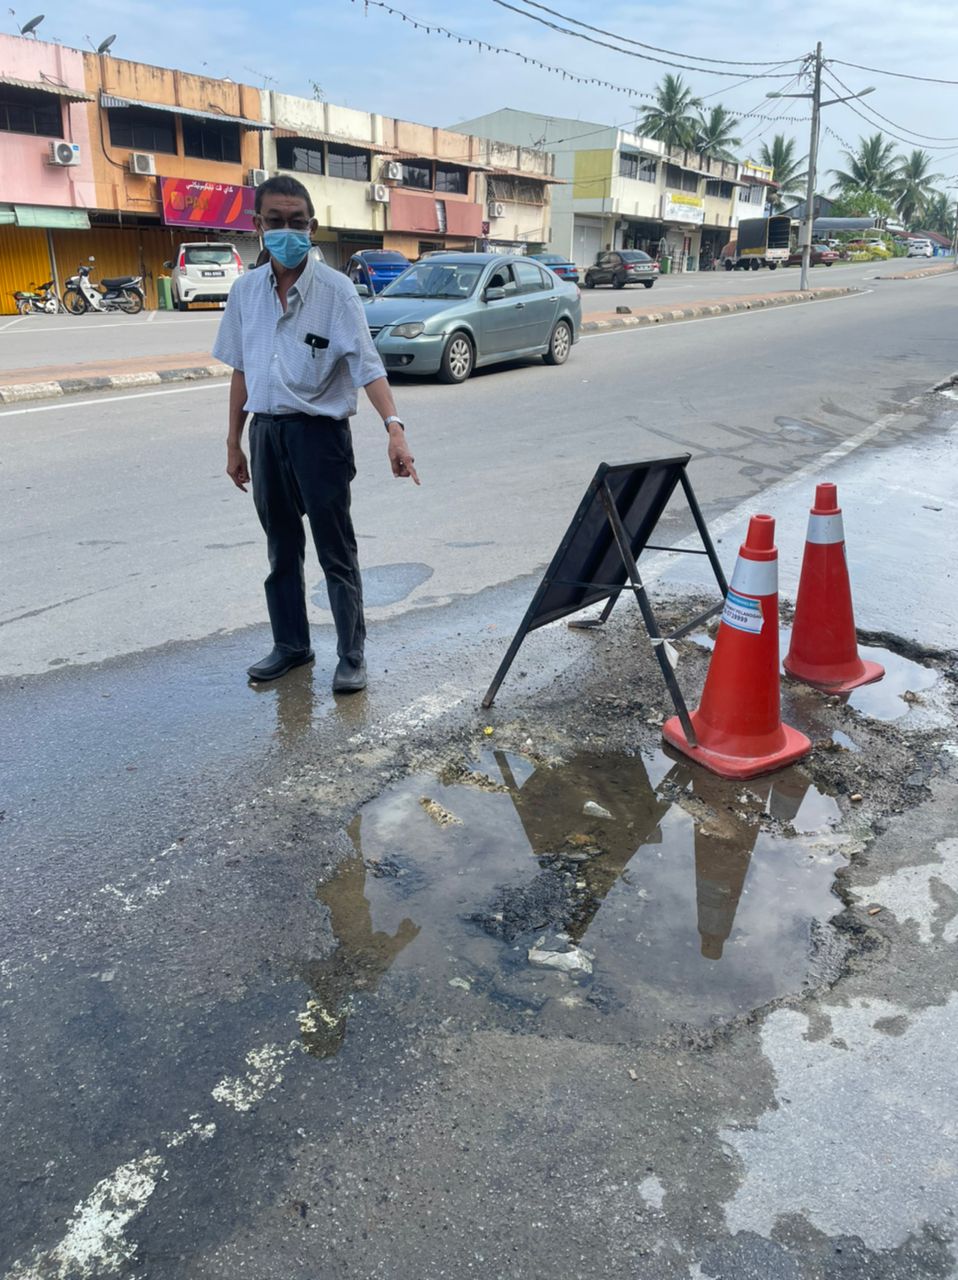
x: 297, y: 340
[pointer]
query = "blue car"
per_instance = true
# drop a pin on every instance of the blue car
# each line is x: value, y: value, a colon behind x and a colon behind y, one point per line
x: 375, y: 268
x: 563, y: 268
x: 456, y: 312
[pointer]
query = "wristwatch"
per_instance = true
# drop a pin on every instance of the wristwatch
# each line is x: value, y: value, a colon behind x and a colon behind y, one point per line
x: 387, y: 422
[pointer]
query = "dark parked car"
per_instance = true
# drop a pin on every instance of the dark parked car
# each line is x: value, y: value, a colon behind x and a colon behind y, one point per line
x: 621, y: 267
x: 563, y: 268
x: 375, y: 268
x: 822, y: 256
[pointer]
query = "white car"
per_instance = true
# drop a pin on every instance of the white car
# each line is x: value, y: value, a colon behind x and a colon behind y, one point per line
x: 920, y: 249
x: 203, y: 271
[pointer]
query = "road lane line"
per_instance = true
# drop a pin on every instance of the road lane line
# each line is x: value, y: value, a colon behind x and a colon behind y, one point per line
x: 11, y: 323
x: 113, y: 324
x: 62, y: 405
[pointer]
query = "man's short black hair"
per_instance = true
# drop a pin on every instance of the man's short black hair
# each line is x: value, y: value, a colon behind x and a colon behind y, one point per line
x: 283, y: 186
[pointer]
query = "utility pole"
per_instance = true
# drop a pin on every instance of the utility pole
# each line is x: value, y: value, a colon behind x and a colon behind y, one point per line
x: 816, y: 100
x: 809, y: 218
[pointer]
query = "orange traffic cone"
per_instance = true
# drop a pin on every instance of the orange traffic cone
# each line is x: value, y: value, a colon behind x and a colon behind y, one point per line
x: 738, y: 724
x: 824, y: 648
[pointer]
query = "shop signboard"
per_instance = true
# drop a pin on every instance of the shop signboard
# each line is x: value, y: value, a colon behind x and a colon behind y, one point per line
x: 216, y: 206
x: 678, y: 207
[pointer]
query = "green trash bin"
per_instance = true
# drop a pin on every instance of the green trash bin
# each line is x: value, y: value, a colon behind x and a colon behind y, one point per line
x: 164, y: 293
x: 665, y: 266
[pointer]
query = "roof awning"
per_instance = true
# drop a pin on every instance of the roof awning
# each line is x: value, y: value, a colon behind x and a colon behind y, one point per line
x: 523, y: 173
x: 46, y: 86
x: 336, y: 140
x: 110, y: 100
x: 753, y: 180
x: 35, y: 215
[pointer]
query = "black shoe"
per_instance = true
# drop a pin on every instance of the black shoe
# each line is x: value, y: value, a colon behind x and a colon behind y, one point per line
x: 349, y: 678
x: 278, y: 662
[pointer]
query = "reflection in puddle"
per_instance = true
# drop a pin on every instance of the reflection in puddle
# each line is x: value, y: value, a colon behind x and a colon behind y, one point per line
x: 892, y: 697
x: 696, y: 899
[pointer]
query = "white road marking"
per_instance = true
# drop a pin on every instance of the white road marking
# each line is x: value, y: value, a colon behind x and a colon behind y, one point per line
x: 266, y: 1066
x: 61, y: 405
x: 151, y: 317
x: 113, y: 324
x: 11, y: 323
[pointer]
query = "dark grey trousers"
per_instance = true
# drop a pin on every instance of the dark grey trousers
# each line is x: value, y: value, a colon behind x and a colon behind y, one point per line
x: 303, y: 466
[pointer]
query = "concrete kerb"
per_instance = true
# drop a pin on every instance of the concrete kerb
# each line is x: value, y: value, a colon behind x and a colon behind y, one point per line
x: 116, y: 382
x: 942, y: 269
x: 51, y: 389
x: 698, y: 311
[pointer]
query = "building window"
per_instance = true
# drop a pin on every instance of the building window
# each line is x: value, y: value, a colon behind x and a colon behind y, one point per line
x: 752, y: 194
x: 450, y: 178
x: 29, y: 111
x: 349, y: 162
x: 646, y: 170
x: 211, y: 140
x: 628, y: 165
x: 441, y: 217
x: 680, y: 179
x: 300, y: 155
x: 139, y: 129
x: 722, y: 190
x: 417, y: 173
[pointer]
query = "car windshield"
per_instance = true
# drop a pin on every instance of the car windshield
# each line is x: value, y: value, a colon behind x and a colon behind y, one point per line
x: 433, y: 279
x: 209, y: 255
x: 550, y: 257
x: 635, y: 255
x: 381, y: 257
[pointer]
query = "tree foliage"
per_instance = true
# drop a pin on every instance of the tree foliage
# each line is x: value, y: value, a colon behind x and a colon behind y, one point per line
x: 671, y: 119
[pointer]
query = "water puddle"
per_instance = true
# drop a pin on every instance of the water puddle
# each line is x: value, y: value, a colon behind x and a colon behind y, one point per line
x: 888, y: 699
x: 609, y: 896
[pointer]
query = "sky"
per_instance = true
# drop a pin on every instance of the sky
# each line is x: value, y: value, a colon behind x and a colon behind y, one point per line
x: 361, y: 56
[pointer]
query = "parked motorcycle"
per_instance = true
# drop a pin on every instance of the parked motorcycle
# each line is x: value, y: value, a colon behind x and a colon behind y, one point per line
x: 120, y: 293
x: 38, y: 299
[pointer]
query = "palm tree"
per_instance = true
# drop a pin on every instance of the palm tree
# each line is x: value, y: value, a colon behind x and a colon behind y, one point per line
x: 939, y: 214
x: 873, y: 167
x: 713, y: 134
x: 913, y: 186
x: 671, y: 119
x: 786, y: 170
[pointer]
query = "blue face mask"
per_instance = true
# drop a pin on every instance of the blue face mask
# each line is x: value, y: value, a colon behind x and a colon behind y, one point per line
x: 287, y: 247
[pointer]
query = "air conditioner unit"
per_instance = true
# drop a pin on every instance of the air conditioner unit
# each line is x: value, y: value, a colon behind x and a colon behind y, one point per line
x: 63, y: 154
x: 257, y: 177
x: 497, y: 210
x: 379, y: 193
x: 143, y: 164
x: 393, y: 171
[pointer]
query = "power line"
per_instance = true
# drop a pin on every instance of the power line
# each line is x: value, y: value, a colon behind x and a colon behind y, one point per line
x: 900, y: 75
x: 908, y: 142
x: 647, y: 57
x: 929, y: 137
x: 474, y: 41
x: 691, y: 57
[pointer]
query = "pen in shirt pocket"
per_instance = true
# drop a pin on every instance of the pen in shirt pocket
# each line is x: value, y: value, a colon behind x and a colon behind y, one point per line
x: 314, y: 341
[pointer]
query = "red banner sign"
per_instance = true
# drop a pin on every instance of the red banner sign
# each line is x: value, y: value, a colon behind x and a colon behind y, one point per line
x: 188, y: 203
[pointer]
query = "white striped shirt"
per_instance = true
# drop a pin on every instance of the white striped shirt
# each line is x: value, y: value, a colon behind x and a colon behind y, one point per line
x: 284, y: 372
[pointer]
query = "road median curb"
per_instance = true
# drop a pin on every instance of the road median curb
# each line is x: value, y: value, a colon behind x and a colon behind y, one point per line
x: 51, y: 389
x: 942, y: 270
x: 706, y: 310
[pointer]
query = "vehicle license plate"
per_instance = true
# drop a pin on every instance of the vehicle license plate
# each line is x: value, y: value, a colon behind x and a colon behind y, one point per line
x: 214, y: 273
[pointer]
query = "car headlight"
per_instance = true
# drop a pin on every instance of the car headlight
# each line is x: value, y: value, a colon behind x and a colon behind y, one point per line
x: 412, y: 330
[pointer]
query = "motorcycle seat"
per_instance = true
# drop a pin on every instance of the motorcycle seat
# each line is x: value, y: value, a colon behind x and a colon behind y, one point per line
x: 118, y: 282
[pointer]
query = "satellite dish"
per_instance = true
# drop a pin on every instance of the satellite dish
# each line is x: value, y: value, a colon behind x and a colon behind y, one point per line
x: 30, y: 27
x: 104, y: 45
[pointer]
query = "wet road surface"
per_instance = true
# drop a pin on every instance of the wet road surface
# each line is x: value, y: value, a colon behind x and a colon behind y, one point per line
x: 258, y: 1013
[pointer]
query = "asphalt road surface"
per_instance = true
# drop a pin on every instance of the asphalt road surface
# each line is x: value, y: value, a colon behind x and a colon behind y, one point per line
x: 171, y: 943
x: 37, y: 340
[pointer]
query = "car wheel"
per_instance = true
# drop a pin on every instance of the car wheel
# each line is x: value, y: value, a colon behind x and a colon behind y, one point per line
x: 458, y: 359
x: 773, y: 266
x: 618, y: 282
x: 828, y: 264
x: 560, y: 344
x: 589, y: 282
x: 729, y: 264
x: 648, y: 283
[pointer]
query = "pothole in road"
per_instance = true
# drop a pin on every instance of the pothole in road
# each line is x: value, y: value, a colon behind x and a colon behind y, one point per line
x: 607, y: 896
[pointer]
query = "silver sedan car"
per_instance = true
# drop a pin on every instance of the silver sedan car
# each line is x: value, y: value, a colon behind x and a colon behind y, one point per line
x: 454, y: 312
